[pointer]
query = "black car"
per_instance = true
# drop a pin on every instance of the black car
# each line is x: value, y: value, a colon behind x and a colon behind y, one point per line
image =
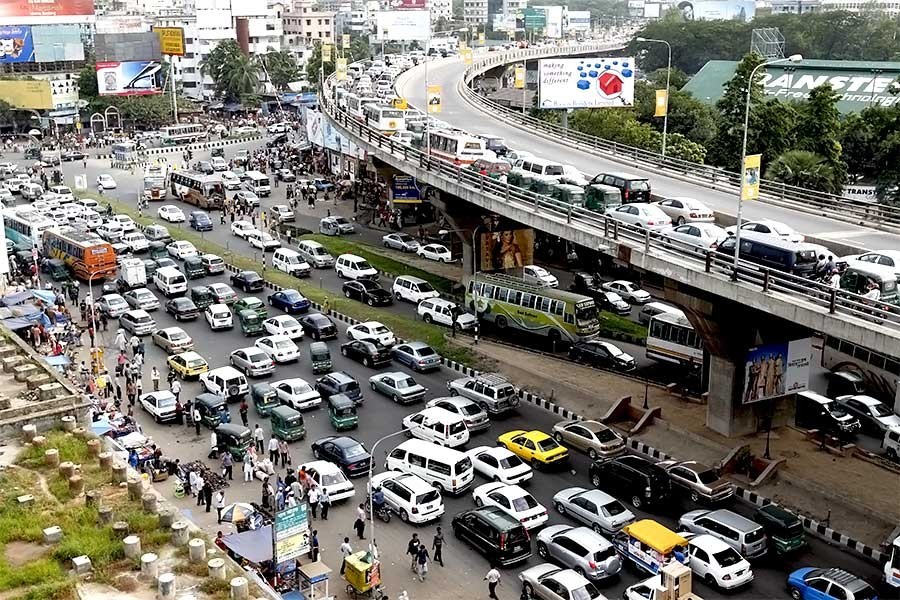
x: 368, y: 291
x: 249, y: 281
x: 344, y: 451
x: 277, y: 140
x: 318, y: 326
x: 200, y: 221
x: 339, y: 382
x: 182, y: 309
x: 497, y: 536
x: 601, y: 354
x: 634, y: 188
x: 71, y: 155
x: 204, y: 166
x: 637, y: 479
x: 366, y: 352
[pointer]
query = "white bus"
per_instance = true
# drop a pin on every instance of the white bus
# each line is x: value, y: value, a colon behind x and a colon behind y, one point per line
x: 25, y: 226
x: 386, y: 119
x: 203, y: 191
x: 672, y: 339
x: 881, y: 372
x: 457, y: 147
x: 355, y: 105
x: 175, y: 134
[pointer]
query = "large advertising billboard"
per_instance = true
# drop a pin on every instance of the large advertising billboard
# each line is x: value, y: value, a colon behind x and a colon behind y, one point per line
x: 586, y: 82
x: 45, y: 8
x: 398, y: 25
x: 775, y: 370
x: 127, y: 47
x: 16, y: 44
x: 717, y: 10
x: 20, y: 93
x: 130, y: 78
x: 54, y: 43
x: 579, y: 20
x: 506, y: 249
x: 408, y: 4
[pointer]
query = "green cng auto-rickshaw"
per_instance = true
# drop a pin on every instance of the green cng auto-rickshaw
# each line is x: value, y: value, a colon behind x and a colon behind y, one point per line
x: 264, y: 397
x: 320, y: 357
x: 342, y: 412
x: 57, y: 269
x: 234, y: 438
x: 158, y: 250
x: 193, y: 267
x: 202, y: 296
x: 213, y: 410
x: 568, y: 193
x: 287, y: 423
x: 250, y: 322
x: 601, y: 198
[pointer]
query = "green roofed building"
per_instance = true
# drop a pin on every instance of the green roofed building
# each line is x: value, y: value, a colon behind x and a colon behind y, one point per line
x: 861, y: 84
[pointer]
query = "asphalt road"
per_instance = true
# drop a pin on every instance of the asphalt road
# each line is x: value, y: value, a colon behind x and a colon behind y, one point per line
x: 457, y: 112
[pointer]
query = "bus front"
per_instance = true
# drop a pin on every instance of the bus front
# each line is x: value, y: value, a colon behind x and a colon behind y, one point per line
x: 587, y: 322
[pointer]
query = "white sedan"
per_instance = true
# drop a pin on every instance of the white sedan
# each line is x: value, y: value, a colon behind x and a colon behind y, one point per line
x: 630, y: 291
x: 242, y: 228
x: 717, y: 563
x: 769, y: 227
x: 539, y: 275
x: 644, y: 216
x: 400, y: 241
x: 435, y: 252
x: 701, y: 235
x: 218, y: 316
x: 160, y: 405
x: 230, y: 181
x: 126, y: 222
x: 280, y: 348
x: 686, y: 210
x: 113, y: 305
x: 262, y: 240
x: 499, y: 464
x: 372, y: 331
x: 329, y: 476
x: 181, y: 250
x: 512, y: 500
x: 170, y: 213
x: 297, y: 393
x: 106, y: 182
x: 285, y: 325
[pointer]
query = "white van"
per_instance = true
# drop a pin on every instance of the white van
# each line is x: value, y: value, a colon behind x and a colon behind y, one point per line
x: 170, y: 281
x: 258, y: 183
x: 89, y: 203
x: 446, y: 469
x: 413, y: 289
x: 225, y: 381
x: 437, y: 425
x: 541, y: 169
x: 651, y: 309
x: 290, y: 262
x: 351, y: 266
x: 315, y: 254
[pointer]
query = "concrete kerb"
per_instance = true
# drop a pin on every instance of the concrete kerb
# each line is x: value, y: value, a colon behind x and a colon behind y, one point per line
x: 194, y: 146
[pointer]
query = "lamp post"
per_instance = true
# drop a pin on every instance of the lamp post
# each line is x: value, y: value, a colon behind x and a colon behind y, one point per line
x: 737, y: 231
x: 371, y: 472
x: 474, y: 233
x: 668, y: 76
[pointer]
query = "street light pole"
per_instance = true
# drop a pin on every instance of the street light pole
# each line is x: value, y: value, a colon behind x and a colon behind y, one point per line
x: 372, y: 472
x: 668, y: 77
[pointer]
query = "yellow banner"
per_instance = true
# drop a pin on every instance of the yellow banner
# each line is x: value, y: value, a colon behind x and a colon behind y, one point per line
x: 340, y: 69
x: 520, y: 77
x: 750, y: 177
x: 171, y: 40
x: 467, y: 56
x: 20, y: 93
x: 400, y: 103
x: 434, y: 98
x: 345, y: 40
x: 326, y: 52
x: 481, y: 38
x: 462, y: 46
x: 662, y: 103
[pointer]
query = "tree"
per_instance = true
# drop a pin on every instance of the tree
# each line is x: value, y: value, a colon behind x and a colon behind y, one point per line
x: 281, y: 67
x: 819, y: 129
x: 726, y: 146
x: 87, y: 81
x: 805, y: 169
x: 689, y: 117
x: 235, y: 75
x: 314, y: 65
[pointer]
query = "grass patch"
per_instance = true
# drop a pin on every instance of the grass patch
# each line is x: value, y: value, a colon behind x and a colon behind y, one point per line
x: 215, y: 587
x: 70, y: 448
x: 51, y: 590
x: 614, y: 326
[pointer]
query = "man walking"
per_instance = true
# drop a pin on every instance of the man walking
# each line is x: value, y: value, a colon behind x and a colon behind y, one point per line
x: 243, y: 410
x: 273, y: 450
x: 220, y: 504
x: 437, y: 545
x: 207, y: 495
x: 412, y: 548
x: 313, y: 499
x: 314, y: 546
x: 360, y: 524
x: 248, y: 469
x: 176, y: 389
x: 324, y: 502
x: 346, y: 550
x: 493, y: 579
x: 227, y: 465
x: 259, y: 436
x: 422, y: 562
x: 196, y: 417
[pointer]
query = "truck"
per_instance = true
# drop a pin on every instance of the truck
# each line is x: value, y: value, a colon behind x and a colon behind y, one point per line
x: 132, y: 274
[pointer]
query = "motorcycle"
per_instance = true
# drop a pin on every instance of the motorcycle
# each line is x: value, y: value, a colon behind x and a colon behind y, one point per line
x: 383, y: 512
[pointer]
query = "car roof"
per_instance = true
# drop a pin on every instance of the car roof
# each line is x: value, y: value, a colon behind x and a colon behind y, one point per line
x: 138, y: 312
x: 709, y: 543
x: 189, y: 355
x: 569, y: 578
x: 588, y: 538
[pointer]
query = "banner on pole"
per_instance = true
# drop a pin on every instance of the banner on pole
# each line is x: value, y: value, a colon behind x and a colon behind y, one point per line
x: 750, y: 177
x: 434, y: 98
x: 326, y: 53
x: 467, y: 56
x: 340, y: 69
x: 662, y: 103
x: 520, y: 77
x: 345, y: 40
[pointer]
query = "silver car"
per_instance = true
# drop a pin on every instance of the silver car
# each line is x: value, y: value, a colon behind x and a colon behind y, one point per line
x: 418, y: 356
x: 701, y: 483
x: 141, y: 298
x: 398, y: 386
x: 400, y: 241
x: 137, y: 322
x: 113, y: 305
x: 173, y: 340
x: 581, y: 549
x: 593, y: 437
x: 252, y: 362
x: 476, y: 419
x: 595, y: 508
x: 549, y: 582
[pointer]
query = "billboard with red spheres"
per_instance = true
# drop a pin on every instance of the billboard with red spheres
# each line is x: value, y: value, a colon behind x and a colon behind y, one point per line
x: 408, y: 5
x: 45, y: 8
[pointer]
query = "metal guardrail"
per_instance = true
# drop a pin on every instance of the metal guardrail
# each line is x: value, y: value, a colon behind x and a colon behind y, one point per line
x: 717, y: 265
x: 828, y: 205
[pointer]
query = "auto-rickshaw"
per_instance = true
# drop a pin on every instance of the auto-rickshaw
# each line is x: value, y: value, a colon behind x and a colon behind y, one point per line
x: 213, y: 409
x: 320, y: 357
x: 250, y: 322
x: 57, y: 270
x: 150, y: 267
x: 194, y: 268
x: 234, y: 438
x: 568, y: 193
x: 342, y: 412
x: 601, y: 198
x: 217, y: 152
x: 287, y: 423
x: 363, y: 574
x: 264, y: 397
x: 648, y: 545
x: 158, y: 250
x: 785, y: 530
x: 202, y: 296
x: 542, y: 186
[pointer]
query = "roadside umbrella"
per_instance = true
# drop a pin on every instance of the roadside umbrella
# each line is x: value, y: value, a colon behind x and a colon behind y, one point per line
x: 239, y: 511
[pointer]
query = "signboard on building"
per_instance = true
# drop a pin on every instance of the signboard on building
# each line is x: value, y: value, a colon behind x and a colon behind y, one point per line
x: 579, y: 20
x: 20, y: 93
x: 405, y: 190
x: 399, y: 25
x: 121, y: 24
x: 531, y: 19
x: 504, y: 250
x: 16, y: 44
x: 408, y: 4
x: 290, y: 533
x: 586, y: 82
x: 57, y: 43
x: 861, y: 193
x: 125, y: 47
x: 171, y: 40
x: 46, y: 8
x: 717, y: 10
x: 775, y: 370
x: 129, y: 78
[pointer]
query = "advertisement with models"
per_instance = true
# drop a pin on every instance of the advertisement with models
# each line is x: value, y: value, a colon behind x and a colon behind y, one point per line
x: 16, y: 44
x: 506, y: 250
x: 778, y: 369
x: 131, y: 78
x: 53, y: 8
x: 586, y: 82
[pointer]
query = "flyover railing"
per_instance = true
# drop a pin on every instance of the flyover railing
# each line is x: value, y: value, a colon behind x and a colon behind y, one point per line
x: 825, y: 204
x: 713, y: 263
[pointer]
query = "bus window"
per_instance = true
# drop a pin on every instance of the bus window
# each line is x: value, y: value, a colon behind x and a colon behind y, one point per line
x: 515, y: 297
x: 545, y: 305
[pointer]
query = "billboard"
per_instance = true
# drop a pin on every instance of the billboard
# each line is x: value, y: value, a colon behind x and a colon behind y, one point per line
x: 20, y: 93
x: 399, y: 25
x: 716, y: 10
x: 408, y: 4
x: 586, y: 82
x: 125, y: 47
x: 57, y: 42
x: 120, y: 24
x: 504, y: 250
x: 579, y: 20
x: 774, y: 370
x: 405, y: 190
x: 531, y: 19
x: 46, y: 8
x: 16, y: 44
x: 128, y: 78
x: 171, y: 40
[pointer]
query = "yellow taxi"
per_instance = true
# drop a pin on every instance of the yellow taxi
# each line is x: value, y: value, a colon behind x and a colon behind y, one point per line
x: 534, y: 447
x: 188, y: 365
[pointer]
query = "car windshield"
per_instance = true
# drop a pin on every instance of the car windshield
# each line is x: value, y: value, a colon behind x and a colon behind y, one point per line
x: 177, y: 336
x: 354, y: 451
x: 523, y: 503
x: 879, y: 410
x: 361, y: 265
x: 457, y: 427
x: 341, y: 221
x: 470, y: 410
x: 605, y: 435
x: 425, y: 287
x: 165, y: 401
x: 332, y: 478
x: 289, y: 322
x: 866, y: 592
x: 547, y: 444
x: 727, y: 557
x: 511, y: 462
x: 302, y: 388
x: 380, y: 329
x: 707, y: 477
x: 405, y: 237
x: 257, y: 357
x: 613, y: 297
x: 462, y: 466
x: 196, y: 362
x: 641, y: 185
x: 613, y: 509
x: 613, y: 350
x: 588, y: 592
x: 142, y: 319
x: 402, y: 384
x: 292, y: 296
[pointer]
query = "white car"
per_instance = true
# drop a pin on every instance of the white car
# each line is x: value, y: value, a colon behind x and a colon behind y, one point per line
x: 297, y: 393
x: 372, y: 331
x: 438, y: 310
x: 282, y: 212
x: 717, y: 563
x: 136, y: 241
x: 512, y: 500
x: 242, y: 228
x: 701, y: 235
x: 435, y: 252
x: 218, y: 164
x: 499, y: 464
x: 113, y: 305
x: 644, y: 216
x: 686, y: 210
x: 593, y: 507
x: 769, y: 227
x: 109, y: 231
x: 262, y: 240
x: 160, y: 405
x: 230, y: 181
x: 437, y: 426
x: 6, y: 195
x: 279, y: 347
x: 539, y: 275
x: 409, y: 496
x: 170, y: 213
x: 106, y: 182
x: 126, y: 222
x: 181, y: 249
x: 628, y: 290
x: 285, y: 325
x: 218, y: 316
x: 91, y: 218
x: 329, y: 476
x: 887, y: 258
x: 64, y: 193
x: 141, y: 299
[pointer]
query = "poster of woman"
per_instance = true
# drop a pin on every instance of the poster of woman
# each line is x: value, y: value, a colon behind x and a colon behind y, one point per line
x: 506, y: 250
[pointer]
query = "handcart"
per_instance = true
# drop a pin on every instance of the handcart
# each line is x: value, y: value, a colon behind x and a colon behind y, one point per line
x: 363, y: 574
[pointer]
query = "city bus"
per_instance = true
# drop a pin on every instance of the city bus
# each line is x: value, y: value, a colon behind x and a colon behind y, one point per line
x: 457, y: 147
x: 85, y: 253
x: 25, y: 226
x: 386, y: 119
x: 671, y: 338
x: 204, y: 191
x: 510, y: 302
x: 155, y: 182
x: 356, y: 103
x: 880, y: 372
x: 175, y: 134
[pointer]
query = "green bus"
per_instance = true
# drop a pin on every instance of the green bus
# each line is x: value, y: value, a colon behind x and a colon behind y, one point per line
x: 510, y: 302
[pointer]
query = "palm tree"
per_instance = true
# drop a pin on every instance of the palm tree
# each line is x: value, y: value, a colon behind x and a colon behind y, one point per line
x: 235, y: 74
x: 805, y: 169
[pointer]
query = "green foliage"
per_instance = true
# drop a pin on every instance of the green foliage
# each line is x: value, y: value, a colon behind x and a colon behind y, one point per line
x: 236, y: 75
x: 805, y: 169
x: 819, y: 130
x: 71, y: 449
x: 282, y: 68
x: 726, y: 146
x: 694, y: 120
x: 314, y: 64
x: 87, y: 81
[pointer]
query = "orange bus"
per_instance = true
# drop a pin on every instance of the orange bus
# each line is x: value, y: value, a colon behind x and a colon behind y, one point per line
x: 89, y: 256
